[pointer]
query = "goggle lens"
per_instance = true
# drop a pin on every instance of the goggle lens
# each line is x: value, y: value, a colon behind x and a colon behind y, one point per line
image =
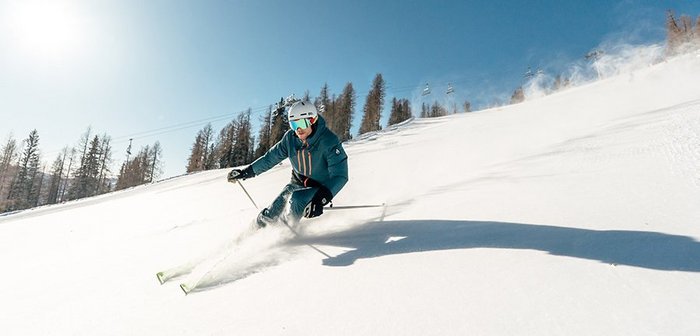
x: 301, y: 123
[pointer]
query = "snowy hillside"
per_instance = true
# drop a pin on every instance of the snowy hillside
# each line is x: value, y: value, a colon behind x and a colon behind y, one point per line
x: 574, y: 214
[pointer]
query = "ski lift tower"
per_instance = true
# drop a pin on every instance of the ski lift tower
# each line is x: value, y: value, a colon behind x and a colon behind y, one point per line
x: 128, y: 150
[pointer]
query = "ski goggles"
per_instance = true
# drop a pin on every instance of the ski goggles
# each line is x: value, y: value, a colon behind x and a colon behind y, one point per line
x: 303, y: 123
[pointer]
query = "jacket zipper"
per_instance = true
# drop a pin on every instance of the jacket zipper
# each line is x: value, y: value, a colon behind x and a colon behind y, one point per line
x: 302, y: 163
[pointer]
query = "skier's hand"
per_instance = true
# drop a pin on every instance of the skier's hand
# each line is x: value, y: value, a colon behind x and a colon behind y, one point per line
x: 241, y: 174
x: 315, y: 208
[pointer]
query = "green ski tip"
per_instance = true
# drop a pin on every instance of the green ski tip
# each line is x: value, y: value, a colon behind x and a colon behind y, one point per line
x: 185, y: 289
x: 160, y: 275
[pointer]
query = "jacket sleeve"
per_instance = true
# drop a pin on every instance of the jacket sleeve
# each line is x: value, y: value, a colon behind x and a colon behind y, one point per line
x: 337, y: 168
x: 275, y: 155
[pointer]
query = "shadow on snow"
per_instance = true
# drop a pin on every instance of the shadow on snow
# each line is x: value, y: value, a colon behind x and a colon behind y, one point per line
x: 649, y: 250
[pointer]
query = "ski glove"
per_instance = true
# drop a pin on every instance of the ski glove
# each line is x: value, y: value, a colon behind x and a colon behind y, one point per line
x: 241, y: 174
x: 315, y: 208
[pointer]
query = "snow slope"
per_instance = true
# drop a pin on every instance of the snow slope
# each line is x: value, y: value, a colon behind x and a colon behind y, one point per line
x: 573, y: 214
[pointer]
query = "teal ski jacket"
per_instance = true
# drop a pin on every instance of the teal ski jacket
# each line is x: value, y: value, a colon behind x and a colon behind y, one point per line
x: 321, y: 158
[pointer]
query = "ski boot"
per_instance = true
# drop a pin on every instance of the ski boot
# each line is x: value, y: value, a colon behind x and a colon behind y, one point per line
x: 264, y: 219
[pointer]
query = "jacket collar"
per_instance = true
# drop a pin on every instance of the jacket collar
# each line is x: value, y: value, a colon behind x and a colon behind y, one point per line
x: 319, y: 129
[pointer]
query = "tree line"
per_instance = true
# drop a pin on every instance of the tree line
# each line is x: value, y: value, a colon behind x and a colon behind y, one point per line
x: 84, y: 170
x: 234, y: 145
x: 77, y: 172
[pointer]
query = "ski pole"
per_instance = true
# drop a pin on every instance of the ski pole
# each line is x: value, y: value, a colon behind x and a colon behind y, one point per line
x: 286, y: 224
x: 350, y: 207
x: 247, y: 194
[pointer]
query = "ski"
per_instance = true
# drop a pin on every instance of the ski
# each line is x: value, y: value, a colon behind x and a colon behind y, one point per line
x: 201, y: 271
x: 205, y: 268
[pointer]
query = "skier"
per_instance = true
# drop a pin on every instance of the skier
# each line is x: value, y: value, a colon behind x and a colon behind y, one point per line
x: 319, y: 167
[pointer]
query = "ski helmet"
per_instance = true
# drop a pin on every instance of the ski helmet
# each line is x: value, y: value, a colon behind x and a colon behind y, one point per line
x: 302, y: 110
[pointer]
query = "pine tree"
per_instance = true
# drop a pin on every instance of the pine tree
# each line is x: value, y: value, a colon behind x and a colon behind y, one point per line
x: 373, y: 106
x: 344, y: 111
x: 133, y: 171
x: 243, y: 140
x: 400, y: 111
x: 155, y: 164
x: 331, y: 114
x: 208, y: 145
x: 212, y: 160
x: 467, y: 106
x: 425, y: 110
x: 78, y: 186
x: 105, y: 161
x: 264, y: 134
x: 394, y: 112
x: 8, y: 154
x: 280, y: 125
x: 86, y: 178
x: 200, y: 152
x: 323, y: 101
x: 144, y: 167
x: 437, y: 110
x: 65, y: 185
x: 39, y: 186
x: 33, y: 170
x: 195, y: 161
x: 224, y: 146
x: 56, y: 177
x: 326, y: 106
x: 23, y: 192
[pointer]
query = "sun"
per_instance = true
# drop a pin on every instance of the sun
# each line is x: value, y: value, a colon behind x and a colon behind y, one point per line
x: 46, y: 29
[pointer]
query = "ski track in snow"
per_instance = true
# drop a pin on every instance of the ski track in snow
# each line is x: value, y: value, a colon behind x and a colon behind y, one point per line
x: 256, y: 252
x: 670, y: 136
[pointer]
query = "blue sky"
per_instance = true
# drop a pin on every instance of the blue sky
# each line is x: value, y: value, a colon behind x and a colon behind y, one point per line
x: 159, y: 70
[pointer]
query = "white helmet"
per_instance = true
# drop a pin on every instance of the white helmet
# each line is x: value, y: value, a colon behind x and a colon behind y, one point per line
x: 302, y: 110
